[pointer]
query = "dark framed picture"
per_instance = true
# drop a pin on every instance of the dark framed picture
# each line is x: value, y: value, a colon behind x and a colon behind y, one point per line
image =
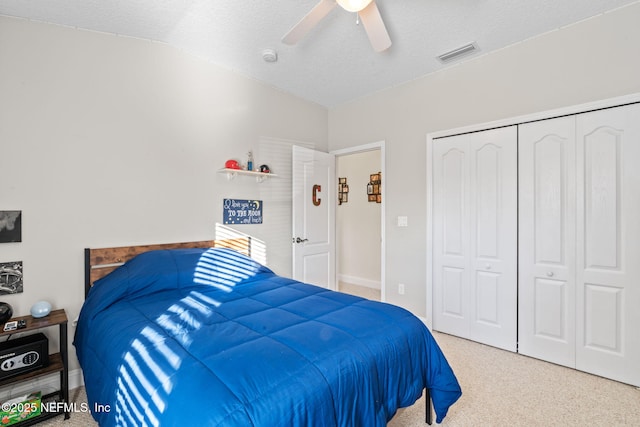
x: 374, y: 177
x: 372, y: 197
x: 369, y: 189
x: 378, y: 198
x: 10, y: 277
x: 10, y: 226
x: 343, y: 190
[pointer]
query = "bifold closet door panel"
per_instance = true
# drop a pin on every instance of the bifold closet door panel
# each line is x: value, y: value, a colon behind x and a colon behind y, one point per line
x: 450, y: 174
x: 493, y: 237
x: 608, y: 241
x: 546, y: 227
x: 475, y: 236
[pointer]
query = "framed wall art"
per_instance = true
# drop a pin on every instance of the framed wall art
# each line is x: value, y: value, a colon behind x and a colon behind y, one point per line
x: 343, y: 191
x: 10, y: 277
x: 374, y: 188
x: 10, y: 226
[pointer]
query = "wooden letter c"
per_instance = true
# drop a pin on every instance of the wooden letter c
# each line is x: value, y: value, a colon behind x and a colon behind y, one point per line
x: 314, y: 197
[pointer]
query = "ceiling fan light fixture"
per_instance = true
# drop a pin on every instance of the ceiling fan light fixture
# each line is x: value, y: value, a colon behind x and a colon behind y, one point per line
x: 354, y: 5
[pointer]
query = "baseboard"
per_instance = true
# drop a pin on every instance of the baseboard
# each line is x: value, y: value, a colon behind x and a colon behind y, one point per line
x: 75, y: 379
x: 46, y: 384
x: 367, y: 283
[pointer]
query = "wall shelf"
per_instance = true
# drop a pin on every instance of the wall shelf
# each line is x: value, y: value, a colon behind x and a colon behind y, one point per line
x: 232, y: 173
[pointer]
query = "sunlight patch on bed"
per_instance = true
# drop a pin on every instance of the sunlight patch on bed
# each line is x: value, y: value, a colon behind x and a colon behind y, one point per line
x: 205, y: 299
x: 159, y: 373
x: 206, y: 279
x: 145, y: 380
x: 184, y: 315
x: 132, y: 398
x: 223, y: 269
x: 177, y: 330
x: 157, y: 341
x: 193, y: 303
x: 145, y: 383
x: 228, y: 262
x: 232, y: 271
x: 124, y: 408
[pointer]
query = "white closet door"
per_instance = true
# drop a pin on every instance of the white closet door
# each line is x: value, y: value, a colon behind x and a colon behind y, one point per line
x: 546, y: 264
x: 608, y: 258
x: 475, y: 236
x: 451, y: 236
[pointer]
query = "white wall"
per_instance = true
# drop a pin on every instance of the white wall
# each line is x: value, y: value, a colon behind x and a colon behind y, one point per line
x: 112, y: 141
x: 358, y: 222
x: 592, y: 60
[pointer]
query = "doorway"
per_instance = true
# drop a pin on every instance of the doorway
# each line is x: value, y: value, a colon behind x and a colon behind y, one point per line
x: 360, y: 221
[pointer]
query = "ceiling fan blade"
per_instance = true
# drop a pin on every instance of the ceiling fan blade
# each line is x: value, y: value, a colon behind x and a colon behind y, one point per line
x: 309, y: 21
x: 374, y: 25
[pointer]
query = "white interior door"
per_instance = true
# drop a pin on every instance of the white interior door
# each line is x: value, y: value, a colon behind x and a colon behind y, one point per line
x: 475, y: 236
x: 608, y: 258
x: 546, y: 264
x: 314, y: 217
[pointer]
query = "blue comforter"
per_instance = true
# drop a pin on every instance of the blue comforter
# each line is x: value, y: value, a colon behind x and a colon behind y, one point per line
x: 210, y: 335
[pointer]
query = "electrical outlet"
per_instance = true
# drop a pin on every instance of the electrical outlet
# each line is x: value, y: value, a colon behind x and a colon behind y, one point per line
x: 401, y: 288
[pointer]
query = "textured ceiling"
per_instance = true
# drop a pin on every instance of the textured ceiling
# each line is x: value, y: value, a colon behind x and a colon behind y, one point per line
x: 334, y: 63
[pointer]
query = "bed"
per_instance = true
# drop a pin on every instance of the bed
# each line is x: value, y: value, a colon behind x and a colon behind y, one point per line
x: 198, y: 331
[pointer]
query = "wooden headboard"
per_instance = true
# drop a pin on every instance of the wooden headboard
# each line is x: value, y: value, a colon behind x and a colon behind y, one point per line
x: 98, y: 262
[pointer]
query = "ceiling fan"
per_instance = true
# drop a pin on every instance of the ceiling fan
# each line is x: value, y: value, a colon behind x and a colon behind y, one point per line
x: 366, y: 10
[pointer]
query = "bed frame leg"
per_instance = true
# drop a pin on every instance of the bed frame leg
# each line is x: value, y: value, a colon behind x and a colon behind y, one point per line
x: 427, y: 404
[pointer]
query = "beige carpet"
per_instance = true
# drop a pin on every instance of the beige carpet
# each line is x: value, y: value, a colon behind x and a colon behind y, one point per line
x: 500, y: 388
x: 78, y: 418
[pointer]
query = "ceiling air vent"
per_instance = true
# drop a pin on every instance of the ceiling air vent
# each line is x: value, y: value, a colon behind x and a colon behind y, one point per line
x: 454, y: 54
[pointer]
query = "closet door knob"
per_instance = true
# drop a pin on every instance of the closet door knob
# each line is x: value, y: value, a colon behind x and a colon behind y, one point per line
x: 487, y: 266
x: 550, y: 273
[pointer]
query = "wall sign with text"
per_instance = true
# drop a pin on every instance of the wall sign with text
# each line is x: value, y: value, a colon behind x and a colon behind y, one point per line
x: 242, y: 211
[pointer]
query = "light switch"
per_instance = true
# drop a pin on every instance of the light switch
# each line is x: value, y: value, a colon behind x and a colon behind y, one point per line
x: 403, y: 221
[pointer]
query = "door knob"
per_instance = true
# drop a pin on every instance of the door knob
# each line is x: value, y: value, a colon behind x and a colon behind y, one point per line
x: 550, y: 273
x: 488, y: 266
x: 299, y: 240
